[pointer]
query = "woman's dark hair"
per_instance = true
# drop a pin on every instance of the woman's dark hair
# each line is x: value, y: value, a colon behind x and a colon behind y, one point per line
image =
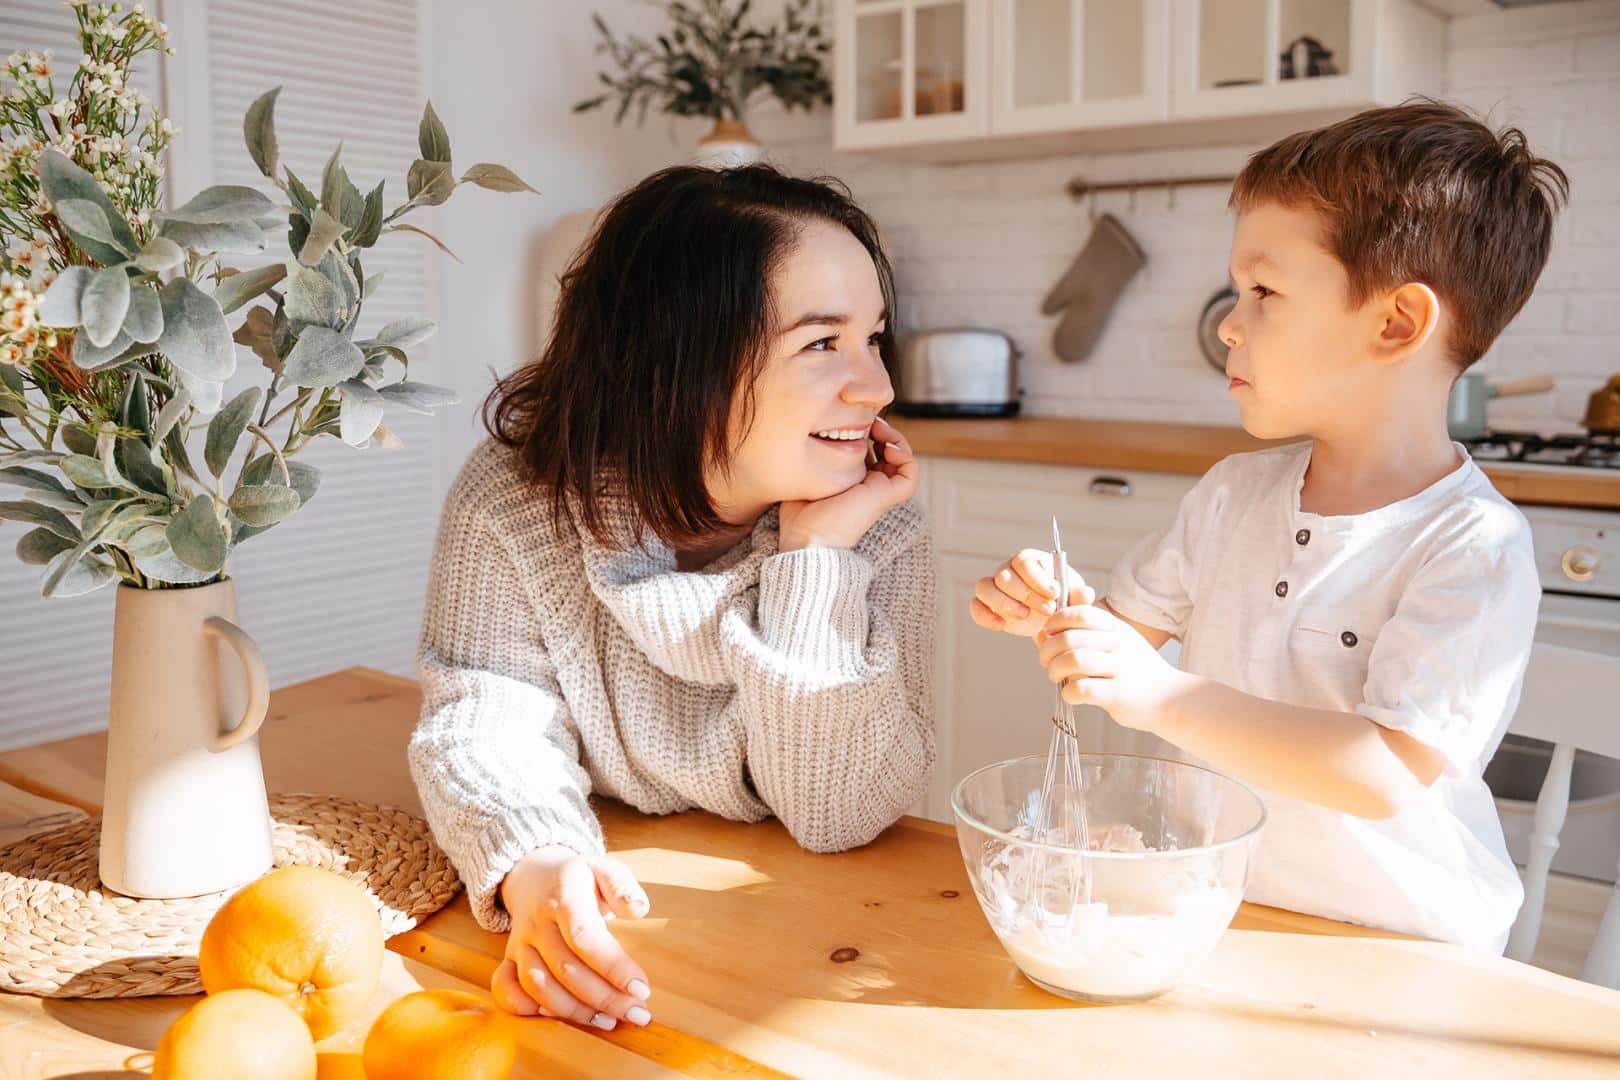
x: 664, y: 317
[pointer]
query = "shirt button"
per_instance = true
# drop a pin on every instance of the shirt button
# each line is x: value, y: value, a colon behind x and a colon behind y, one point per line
x: 1302, y: 537
x: 1282, y: 588
x: 1349, y: 639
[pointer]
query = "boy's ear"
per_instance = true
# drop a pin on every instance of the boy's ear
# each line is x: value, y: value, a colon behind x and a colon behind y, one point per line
x: 1407, y: 318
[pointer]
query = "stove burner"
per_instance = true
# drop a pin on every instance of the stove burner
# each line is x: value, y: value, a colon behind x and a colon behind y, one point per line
x: 1594, y: 451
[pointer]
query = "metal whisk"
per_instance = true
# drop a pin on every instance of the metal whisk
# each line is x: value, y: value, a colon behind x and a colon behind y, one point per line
x: 1061, y: 815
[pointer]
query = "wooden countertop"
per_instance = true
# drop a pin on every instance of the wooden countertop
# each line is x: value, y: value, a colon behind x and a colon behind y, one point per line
x: 744, y: 928
x: 1192, y: 449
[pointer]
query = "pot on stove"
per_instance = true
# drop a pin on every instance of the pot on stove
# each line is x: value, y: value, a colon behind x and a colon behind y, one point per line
x: 1465, y: 411
x: 1603, y: 409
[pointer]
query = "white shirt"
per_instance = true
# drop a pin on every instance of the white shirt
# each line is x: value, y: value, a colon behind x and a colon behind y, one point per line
x: 1418, y: 615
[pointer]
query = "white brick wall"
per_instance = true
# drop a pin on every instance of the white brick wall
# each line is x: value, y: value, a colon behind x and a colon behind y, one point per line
x: 1555, y: 71
x: 981, y: 244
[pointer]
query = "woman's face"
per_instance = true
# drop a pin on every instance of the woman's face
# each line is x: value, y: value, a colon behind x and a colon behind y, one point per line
x: 821, y: 385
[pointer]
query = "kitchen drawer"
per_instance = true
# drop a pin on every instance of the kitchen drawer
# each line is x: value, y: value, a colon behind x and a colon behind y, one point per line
x: 996, y: 508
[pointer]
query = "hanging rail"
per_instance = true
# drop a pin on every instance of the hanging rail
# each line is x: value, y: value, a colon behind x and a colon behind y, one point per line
x: 1079, y: 188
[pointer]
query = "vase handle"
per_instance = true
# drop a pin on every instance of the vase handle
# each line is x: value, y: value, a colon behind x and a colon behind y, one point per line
x: 258, y: 681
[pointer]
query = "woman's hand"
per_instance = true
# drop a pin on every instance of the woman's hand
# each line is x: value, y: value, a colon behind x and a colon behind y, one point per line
x: 1022, y: 594
x: 560, y: 958
x: 841, y: 521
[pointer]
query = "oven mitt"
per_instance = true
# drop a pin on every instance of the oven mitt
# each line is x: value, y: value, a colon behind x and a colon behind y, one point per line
x: 1090, y: 286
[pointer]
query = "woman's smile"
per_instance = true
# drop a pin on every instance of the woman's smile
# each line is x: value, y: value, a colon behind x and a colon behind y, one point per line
x: 849, y: 440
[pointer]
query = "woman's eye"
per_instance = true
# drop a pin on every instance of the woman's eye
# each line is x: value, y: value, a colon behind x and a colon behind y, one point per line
x: 1261, y: 291
x: 830, y: 344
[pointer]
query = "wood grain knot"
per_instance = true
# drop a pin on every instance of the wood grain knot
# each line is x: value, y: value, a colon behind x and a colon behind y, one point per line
x: 949, y: 894
x: 844, y: 955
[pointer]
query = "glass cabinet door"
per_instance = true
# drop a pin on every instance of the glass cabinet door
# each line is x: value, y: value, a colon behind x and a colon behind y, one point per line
x: 1071, y: 64
x: 910, y: 71
x: 1253, y: 56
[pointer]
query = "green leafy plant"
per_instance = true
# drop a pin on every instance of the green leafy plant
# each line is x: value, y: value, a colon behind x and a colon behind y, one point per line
x: 116, y: 323
x: 713, y: 62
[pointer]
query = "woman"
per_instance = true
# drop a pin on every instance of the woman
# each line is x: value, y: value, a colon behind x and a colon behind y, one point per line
x: 684, y: 572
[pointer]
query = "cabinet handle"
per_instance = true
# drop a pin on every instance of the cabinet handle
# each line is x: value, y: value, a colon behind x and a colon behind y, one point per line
x: 1116, y: 486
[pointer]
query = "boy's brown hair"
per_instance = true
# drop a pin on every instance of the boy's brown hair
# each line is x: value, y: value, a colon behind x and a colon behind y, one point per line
x: 1422, y: 192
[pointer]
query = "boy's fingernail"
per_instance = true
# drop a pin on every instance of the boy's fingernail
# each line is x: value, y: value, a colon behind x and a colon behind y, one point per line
x: 604, y: 1021
x: 638, y: 1016
x: 639, y: 989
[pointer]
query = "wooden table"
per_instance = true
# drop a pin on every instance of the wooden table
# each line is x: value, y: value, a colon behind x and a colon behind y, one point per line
x: 749, y: 952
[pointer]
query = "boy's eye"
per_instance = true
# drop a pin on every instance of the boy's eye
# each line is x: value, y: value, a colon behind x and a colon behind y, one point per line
x: 1261, y: 291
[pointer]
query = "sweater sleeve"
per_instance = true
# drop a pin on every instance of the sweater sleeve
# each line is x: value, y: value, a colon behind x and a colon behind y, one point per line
x: 833, y: 675
x: 495, y: 756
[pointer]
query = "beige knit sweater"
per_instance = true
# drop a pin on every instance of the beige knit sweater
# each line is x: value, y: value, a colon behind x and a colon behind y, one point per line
x: 786, y: 683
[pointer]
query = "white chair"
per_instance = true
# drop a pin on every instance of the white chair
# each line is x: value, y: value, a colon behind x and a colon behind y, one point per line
x: 1571, y: 699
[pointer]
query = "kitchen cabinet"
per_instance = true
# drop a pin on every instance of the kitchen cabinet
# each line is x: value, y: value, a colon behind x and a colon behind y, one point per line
x: 1060, y: 65
x: 910, y: 71
x: 1251, y: 57
x: 991, y: 699
x: 987, y: 79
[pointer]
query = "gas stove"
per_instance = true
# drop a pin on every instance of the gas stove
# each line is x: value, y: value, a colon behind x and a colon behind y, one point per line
x: 1594, y: 451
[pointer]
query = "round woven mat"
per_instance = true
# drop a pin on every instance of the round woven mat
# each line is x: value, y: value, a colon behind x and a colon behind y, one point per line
x: 62, y: 935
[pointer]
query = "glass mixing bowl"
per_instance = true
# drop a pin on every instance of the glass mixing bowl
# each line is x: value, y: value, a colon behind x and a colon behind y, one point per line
x: 1142, y: 903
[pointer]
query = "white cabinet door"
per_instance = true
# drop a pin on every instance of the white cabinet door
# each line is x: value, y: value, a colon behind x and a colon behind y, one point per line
x: 1074, y: 65
x: 996, y: 508
x: 992, y: 701
x: 910, y: 71
x: 1237, y: 57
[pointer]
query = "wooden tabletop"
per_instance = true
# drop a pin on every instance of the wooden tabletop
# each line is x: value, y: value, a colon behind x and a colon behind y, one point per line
x: 1192, y: 449
x: 767, y: 960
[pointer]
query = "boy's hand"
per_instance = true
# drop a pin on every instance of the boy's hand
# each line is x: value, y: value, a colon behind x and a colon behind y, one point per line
x: 1102, y: 660
x: 1022, y: 594
x: 561, y: 960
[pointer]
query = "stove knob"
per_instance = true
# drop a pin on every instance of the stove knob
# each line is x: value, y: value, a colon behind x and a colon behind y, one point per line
x: 1580, y: 563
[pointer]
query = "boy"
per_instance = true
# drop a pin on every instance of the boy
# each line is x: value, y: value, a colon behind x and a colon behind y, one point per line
x: 1355, y: 609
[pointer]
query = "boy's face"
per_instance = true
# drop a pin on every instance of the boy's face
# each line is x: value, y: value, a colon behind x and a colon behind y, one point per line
x: 1299, y: 353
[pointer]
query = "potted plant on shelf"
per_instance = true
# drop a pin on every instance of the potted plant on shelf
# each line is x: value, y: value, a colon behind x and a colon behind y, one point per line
x: 118, y: 327
x: 713, y: 62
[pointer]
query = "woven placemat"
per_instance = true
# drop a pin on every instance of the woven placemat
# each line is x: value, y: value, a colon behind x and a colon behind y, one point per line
x: 62, y: 935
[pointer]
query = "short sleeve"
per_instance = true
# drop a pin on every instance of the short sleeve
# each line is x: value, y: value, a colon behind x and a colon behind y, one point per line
x: 1154, y: 583
x: 1447, y: 668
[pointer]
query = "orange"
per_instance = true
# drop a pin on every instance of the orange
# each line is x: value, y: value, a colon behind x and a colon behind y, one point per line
x: 332, y: 1065
x: 440, y: 1035
x: 309, y: 936
x: 246, y: 1034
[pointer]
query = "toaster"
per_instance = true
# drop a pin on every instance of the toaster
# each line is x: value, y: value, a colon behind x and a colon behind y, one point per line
x: 964, y: 372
